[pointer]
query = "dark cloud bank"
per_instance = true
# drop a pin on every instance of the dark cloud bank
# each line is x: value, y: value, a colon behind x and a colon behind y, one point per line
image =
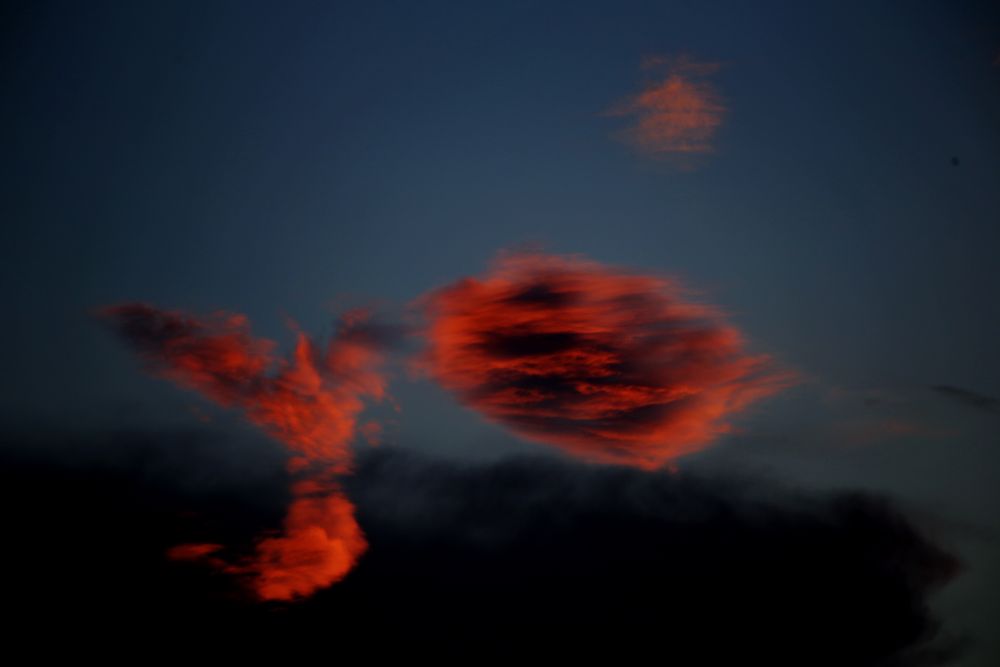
x: 524, y: 559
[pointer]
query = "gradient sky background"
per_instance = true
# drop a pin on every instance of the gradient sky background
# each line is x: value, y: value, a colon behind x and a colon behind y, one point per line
x: 285, y: 161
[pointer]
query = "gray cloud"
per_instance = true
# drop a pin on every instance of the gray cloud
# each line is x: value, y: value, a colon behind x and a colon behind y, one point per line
x: 969, y: 398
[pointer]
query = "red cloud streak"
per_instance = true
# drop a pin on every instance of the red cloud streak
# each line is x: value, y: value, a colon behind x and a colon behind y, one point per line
x: 608, y: 365
x: 310, y: 404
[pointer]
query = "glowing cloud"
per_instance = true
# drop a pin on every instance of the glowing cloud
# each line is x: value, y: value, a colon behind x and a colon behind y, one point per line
x: 608, y: 365
x: 310, y: 404
x: 677, y: 114
x: 320, y: 544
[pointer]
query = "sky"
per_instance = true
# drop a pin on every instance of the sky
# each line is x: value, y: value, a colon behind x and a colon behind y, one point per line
x: 823, y: 175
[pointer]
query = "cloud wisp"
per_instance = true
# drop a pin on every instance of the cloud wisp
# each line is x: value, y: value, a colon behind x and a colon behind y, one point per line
x: 311, y: 404
x: 678, y: 113
x: 607, y: 364
x: 968, y: 398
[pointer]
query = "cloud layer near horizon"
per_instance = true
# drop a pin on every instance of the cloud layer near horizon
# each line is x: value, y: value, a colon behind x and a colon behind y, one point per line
x: 525, y: 558
x: 606, y: 364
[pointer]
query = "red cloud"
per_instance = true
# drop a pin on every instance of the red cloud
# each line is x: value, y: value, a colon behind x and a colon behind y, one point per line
x: 608, y: 365
x: 678, y: 114
x: 310, y: 404
x: 320, y: 544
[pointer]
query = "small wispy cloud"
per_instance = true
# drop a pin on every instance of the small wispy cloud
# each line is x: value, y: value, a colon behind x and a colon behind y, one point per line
x: 970, y: 398
x: 678, y: 113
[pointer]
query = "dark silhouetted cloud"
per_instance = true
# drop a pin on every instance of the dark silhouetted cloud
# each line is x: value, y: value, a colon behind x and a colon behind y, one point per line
x: 529, y: 558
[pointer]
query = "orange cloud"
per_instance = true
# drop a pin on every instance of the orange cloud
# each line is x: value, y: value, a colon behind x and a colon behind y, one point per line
x: 609, y: 365
x: 320, y: 543
x: 310, y: 403
x: 678, y: 114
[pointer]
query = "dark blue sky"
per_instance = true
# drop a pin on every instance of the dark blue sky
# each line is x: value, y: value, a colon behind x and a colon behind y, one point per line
x: 279, y: 159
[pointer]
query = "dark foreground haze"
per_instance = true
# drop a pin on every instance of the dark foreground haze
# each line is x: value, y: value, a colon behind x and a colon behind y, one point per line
x: 524, y: 558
